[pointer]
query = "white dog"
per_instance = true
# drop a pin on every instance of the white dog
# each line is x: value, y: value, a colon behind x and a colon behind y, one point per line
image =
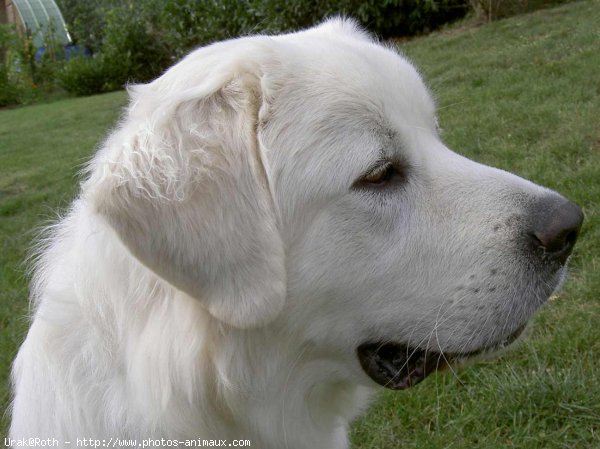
x: 274, y: 229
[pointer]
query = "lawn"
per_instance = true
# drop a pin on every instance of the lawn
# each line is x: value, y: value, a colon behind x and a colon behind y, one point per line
x: 522, y: 94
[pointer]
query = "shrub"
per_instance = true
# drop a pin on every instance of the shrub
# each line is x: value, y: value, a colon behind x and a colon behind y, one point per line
x: 141, y: 39
x: 394, y: 18
x: 135, y: 47
x: 10, y: 94
x: 86, y: 20
x: 27, y: 75
x: 9, y: 89
x: 387, y: 18
x: 46, y: 63
x: 84, y: 76
x: 191, y: 23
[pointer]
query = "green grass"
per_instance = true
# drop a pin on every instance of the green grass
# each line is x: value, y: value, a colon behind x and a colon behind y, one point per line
x: 522, y: 94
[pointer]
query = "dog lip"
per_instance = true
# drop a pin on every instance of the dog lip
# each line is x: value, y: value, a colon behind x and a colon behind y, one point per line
x: 398, y: 366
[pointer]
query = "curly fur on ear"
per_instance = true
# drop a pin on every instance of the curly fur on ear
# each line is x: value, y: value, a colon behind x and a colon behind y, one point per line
x: 182, y: 183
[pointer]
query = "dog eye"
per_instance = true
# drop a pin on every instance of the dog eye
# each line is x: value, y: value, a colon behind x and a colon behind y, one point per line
x: 381, y: 176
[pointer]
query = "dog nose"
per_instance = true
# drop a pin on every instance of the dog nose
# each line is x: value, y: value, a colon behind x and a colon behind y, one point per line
x: 556, y: 228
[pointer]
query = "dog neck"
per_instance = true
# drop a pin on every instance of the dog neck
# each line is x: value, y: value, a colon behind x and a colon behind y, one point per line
x: 264, y: 386
x: 169, y: 369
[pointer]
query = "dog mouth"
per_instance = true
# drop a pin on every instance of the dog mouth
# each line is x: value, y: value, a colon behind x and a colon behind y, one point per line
x: 399, y: 366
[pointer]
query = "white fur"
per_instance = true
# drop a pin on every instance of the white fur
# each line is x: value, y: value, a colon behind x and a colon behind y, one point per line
x: 219, y: 269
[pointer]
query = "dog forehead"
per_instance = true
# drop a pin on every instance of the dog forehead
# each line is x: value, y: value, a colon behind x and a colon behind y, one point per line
x: 338, y: 63
x: 340, y: 100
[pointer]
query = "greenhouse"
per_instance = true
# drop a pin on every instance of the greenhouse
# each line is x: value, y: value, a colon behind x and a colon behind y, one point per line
x: 41, y: 18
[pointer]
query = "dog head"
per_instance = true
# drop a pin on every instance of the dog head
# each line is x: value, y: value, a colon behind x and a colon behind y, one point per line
x: 302, y: 179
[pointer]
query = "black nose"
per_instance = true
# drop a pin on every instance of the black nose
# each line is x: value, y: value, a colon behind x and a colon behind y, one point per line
x: 556, y: 227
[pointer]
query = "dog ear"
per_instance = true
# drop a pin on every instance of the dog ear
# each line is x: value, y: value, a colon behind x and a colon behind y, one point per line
x: 184, y: 185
